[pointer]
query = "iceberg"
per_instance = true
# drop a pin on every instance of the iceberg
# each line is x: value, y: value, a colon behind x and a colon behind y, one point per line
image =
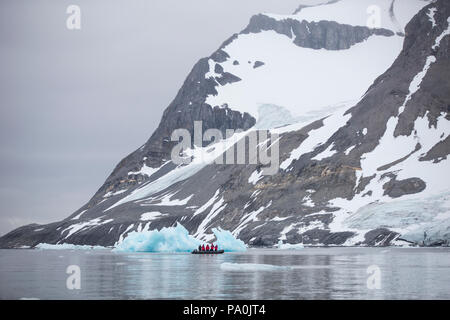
x: 289, y: 246
x: 174, y: 239
x: 67, y: 246
x: 226, y: 241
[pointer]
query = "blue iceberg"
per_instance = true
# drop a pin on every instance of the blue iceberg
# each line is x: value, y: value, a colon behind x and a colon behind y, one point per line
x: 174, y: 239
x: 226, y: 241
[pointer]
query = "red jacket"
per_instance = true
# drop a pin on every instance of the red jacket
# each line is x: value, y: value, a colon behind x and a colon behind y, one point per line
x: 207, y: 247
x: 203, y: 247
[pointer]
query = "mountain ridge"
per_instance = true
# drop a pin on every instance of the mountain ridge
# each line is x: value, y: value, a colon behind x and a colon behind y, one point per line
x: 331, y: 183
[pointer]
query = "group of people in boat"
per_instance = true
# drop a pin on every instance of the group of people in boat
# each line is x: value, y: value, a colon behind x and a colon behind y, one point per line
x: 208, y: 247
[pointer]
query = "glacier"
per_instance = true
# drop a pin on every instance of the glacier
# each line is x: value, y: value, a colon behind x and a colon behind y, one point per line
x: 416, y: 220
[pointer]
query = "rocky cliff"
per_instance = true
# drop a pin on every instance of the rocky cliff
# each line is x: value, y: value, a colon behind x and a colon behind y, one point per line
x: 363, y: 119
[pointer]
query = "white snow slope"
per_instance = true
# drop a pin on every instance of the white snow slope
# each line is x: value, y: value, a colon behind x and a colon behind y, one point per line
x: 304, y: 80
x: 308, y: 84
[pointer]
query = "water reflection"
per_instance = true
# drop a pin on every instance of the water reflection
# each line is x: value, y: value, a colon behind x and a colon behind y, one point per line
x: 319, y: 273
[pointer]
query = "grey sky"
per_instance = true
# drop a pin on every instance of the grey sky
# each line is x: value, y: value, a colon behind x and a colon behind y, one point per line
x: 74, y: 103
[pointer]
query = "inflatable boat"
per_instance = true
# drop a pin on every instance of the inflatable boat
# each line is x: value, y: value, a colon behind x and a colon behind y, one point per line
x: 207, y: 252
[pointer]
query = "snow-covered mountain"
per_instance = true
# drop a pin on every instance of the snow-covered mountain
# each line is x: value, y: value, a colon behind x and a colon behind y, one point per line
x: 358, y: 92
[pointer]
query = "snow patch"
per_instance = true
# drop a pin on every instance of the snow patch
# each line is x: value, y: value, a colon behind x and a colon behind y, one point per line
x: 83, y: 225
x: 347, y: 151
x: 146, y: 170
x: 249, y: 217
x: 280, y: 218
x: 79, y: 215
x: 446, y: 32
x: 167, y: 200
x: 215, y: 210
x: 111, y: 194
x: 430, y: 15
x: 286, y: 230
x: 317, y: 136
x: 149, y: 216
x: 201, y: 157
x: 415, y: 83
x: 326, y: 153
x: 295, y: 77
x: 207, y: 204
x: 255, y: 177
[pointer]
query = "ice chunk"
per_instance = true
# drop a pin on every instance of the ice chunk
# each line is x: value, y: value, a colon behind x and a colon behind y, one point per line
x: 174, y: 239
x: 228, y: 266
x: 68, y: 246
x: 288, y: 246
x: 226, y: 241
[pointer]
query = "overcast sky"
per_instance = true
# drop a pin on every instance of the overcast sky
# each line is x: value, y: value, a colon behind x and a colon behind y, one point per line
x: 73, y: 103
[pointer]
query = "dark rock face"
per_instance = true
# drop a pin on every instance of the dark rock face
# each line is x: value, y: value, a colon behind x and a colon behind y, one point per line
x: 258, y: 64
x: 293, y: 205
x: 188, y: 106
x: 300, y: 7
x: 328, y: 35
x: 396, y: 189
x: 439, y: 152
x: 380, y: 237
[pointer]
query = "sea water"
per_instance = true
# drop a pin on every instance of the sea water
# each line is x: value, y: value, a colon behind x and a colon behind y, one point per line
x: 309, y: 273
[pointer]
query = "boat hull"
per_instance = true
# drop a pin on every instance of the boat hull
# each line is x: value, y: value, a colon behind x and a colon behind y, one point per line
x: 207, y: 252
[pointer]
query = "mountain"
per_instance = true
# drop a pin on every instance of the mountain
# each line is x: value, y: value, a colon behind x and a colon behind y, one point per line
x: 362, y: 116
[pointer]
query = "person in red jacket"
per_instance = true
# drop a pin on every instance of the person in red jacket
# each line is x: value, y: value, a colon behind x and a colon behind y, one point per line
x: 207, y: 247
x: 216, y: 247
x: 203, y: 247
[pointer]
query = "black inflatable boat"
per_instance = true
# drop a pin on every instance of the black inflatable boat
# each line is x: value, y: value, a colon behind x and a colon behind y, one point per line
x: 207, y: 252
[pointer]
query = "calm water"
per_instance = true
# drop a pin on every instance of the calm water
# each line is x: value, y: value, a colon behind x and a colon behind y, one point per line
x: 311, y: 273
